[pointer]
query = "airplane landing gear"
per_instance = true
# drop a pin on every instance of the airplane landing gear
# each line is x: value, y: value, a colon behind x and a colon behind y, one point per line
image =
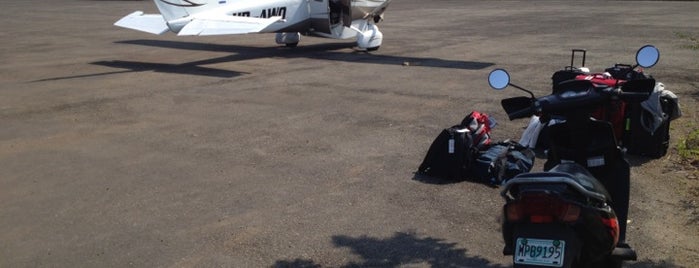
x: 370, y: 37
x: 288, y: 39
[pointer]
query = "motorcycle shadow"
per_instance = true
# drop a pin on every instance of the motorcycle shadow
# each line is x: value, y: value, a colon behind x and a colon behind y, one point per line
x: 403, y: 248
x: 653, y: 264
x: 639, y: 160
x: 444, y: 181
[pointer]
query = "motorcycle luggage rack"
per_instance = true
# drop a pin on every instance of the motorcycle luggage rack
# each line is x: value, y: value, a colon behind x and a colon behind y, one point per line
x: 551, y: 177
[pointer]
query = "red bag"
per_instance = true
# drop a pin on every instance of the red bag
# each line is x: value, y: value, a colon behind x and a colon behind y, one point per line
x: 479, y: 125
x: 612, y: 112
x: 601, y: 79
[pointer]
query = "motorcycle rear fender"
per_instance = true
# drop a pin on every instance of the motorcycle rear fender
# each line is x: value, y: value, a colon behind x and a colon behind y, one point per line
x: 588, y: 237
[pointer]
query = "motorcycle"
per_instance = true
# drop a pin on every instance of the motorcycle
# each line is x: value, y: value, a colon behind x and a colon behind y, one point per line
x: 573, y: 214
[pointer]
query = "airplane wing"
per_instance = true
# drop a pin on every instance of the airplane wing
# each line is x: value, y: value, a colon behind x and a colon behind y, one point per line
x: 221, y: 25
x: 150, y: 23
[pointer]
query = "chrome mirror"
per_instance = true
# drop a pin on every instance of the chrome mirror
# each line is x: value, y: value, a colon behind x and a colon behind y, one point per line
x: 499, y: 79
x: 647, y: 56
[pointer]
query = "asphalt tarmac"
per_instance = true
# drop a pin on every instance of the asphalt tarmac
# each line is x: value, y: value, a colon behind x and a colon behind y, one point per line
x: 124, y: 149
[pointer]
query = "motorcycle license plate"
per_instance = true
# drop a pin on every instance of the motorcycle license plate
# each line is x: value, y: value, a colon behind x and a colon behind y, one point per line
x: 541, y: 252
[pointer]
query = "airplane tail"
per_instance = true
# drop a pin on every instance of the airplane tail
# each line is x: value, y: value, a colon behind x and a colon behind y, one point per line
x: 175, y: 16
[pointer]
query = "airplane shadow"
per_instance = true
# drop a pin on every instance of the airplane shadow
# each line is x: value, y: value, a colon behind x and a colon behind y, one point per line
x: 399, y: 250
x: 325, y: 51
x: 135, y: 66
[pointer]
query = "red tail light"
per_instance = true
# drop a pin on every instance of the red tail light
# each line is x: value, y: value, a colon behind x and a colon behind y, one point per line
x: 612, y: 225
x: 542, y: 208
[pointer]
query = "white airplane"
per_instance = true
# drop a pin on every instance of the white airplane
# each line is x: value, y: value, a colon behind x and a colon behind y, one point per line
x: 339, y: 19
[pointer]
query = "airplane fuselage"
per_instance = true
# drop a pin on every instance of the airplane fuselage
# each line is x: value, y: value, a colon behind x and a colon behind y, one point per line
x: 326, y: 18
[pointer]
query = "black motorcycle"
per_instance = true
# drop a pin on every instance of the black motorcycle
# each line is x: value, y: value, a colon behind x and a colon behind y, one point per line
x: 574, y: 213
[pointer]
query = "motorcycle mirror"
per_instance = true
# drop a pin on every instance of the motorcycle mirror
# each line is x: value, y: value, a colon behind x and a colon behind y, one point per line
x: 499, y: 79
x: 647, y: 56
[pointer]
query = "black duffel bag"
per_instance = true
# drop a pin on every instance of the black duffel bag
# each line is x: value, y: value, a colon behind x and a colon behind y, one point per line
x: 502, y: 161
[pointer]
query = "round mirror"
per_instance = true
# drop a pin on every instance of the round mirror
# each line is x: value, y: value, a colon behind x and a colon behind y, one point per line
x: 499, y: 79
x: 647, y: 56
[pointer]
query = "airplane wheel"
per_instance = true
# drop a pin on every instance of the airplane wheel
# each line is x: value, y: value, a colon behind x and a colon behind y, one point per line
x: 288, y: 39
x: 372, y: 48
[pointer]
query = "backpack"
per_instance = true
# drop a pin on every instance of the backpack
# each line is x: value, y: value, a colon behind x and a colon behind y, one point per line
x: 647, y: 125
x: 450, y: 154
x: 502, y: 161
x: 640, y: 141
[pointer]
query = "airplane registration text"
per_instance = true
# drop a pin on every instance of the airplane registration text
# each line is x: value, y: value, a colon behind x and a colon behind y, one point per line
x: 266, y: 13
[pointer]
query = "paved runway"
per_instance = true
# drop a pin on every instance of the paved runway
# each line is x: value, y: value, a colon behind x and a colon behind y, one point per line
x: 121, y: 149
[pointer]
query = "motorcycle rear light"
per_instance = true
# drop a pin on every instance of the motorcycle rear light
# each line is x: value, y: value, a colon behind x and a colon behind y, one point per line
x: 612, y: 225
x: 542, y: 208
x: 541, y: 219
x: 513, y: 212
x: 572, y: 213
